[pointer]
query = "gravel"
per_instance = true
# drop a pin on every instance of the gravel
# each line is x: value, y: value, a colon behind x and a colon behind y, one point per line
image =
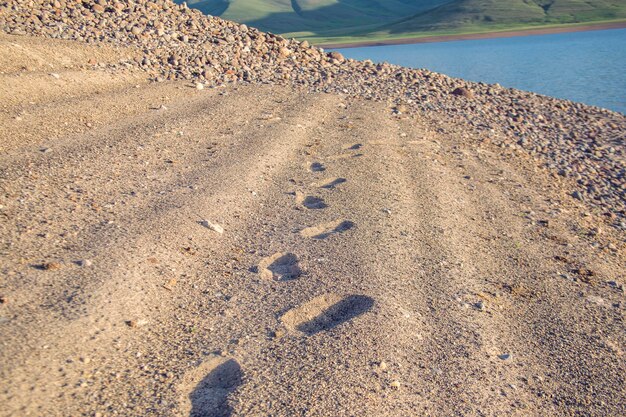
x: 580, y: 142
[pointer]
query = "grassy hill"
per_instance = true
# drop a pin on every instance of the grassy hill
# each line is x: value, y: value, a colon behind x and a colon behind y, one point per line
x: 325, y: 21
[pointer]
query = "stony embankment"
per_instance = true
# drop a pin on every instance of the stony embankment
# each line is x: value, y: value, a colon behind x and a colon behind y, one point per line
x: 581, y: 143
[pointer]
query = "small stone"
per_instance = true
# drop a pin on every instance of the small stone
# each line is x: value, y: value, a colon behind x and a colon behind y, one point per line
x: 577, y: 195
x: 199, y: 86
x: 506, y: 357
x: 51, y: 266
x: 136, y: 323
x: 170, y: 284
x: 395, y: 384
x: 55, y: 75
x: 382, y: 366
x: 463, y: 92
x: 401, y: 108
x: 212, y: 226
x: 337, y: 56
x: 480, y: 306
x: 613, y: 284
x: 85, y: 262
x: 3, y: 299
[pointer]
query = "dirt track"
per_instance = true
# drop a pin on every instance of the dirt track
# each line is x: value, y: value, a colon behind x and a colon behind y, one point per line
x: 420, y: 274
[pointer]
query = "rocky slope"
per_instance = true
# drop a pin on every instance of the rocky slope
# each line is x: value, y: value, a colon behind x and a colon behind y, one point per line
x: 577, y: 141
x: 230, y: 246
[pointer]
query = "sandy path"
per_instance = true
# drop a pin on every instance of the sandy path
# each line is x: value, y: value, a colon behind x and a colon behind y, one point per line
x: 431, y: 277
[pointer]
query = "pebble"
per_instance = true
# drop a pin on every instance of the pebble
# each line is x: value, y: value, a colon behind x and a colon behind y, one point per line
x: 401, y: 108
x: 506, y: 357
x: 51, y: 266
x: 462, y: 92
x: 212, y: 226
x: 85, y: 262
x: 136, y: 323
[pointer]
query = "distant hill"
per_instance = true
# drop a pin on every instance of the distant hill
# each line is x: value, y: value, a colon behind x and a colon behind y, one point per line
x: 350, y: 20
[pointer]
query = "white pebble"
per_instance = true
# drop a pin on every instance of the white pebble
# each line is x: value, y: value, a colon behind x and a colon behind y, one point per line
x: 213, y: 226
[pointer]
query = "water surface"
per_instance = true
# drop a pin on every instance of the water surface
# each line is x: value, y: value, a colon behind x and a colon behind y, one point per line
x: 589, y: 67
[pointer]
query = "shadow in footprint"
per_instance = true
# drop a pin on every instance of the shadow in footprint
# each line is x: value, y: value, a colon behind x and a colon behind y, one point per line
x: 317, y: 167
x: 338, y: 313
x: 333, y: 183
x: 340, y: 228
x: 280, y: 267
x: 314, y: 203
x: 209, y: 398
x: 286, y: 267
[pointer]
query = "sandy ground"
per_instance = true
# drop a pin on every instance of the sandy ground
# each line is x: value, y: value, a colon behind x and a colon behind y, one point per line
x: 368, y: 265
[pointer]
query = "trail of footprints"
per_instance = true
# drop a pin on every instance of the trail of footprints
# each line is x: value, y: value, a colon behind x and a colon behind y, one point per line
x: 218, y: 376
x: 327, y: 311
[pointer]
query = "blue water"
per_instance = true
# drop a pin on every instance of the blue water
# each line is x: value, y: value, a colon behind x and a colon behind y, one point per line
x: 588, y: 67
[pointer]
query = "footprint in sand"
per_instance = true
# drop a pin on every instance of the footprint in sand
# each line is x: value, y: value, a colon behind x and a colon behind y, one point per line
x: 280, y: 267
x: 310, y: 202
x: 210, y: 383
x: 317, y: 167
x: 329, y: 183
x: 324, y: 230
x: 326, y: 312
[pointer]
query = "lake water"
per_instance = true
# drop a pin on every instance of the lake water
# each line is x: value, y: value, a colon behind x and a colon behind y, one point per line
x: 589, y: 67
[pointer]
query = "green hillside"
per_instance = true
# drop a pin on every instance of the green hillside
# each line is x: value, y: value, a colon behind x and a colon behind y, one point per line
x: 325, y: 21
x: 472, y: 13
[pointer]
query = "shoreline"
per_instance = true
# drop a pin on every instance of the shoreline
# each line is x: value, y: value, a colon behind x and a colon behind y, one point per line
x: 474, y: 36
